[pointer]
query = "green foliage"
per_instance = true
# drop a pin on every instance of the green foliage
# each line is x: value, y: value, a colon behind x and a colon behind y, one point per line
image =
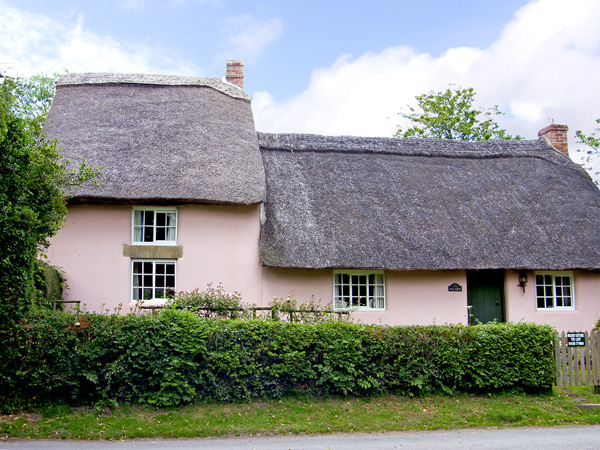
x: 592, y: 152
x: 216, y: 303
x: 506, y: 352
x: 29, y: 99
x: 452, y: 115
x: 303, y: 312
x: 32, y: 189
x: 50, y: 283
x: 211, y: 303
x: 175, y: 357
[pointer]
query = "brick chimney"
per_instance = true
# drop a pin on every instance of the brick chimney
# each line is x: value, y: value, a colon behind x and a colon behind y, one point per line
x: 557, y: 136
x: 235, y: 73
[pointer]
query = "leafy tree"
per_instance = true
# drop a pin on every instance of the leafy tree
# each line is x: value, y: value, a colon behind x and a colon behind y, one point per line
x: 592, y: 152
x: 452, y: 115
x: 33, y: 179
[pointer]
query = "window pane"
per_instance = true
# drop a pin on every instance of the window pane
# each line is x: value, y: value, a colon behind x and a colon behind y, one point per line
x: 148, y: 234
x: 540, y: 291
x: 171, y: 221
x: 554, y: 291
x: 170, y: 282
x: 148, y: 218
x: 170, y: 269
x: 154, y: 226
x: 137, y: 218
x: 357, y: 290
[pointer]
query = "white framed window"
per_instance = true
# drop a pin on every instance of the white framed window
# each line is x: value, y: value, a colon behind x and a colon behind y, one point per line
x: 152, y: 279
x: 354, y: 289
x: 554, y: 290
x: 152, y: 226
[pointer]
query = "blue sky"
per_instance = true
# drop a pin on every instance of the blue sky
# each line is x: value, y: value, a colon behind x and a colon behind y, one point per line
x: 333, y: 67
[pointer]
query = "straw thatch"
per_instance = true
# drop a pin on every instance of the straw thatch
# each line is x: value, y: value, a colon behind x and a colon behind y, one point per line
x: 159, y: 138
x: 408, y: 204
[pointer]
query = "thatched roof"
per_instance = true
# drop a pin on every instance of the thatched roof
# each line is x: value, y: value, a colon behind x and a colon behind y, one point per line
x: 409, y: 204
x: 159, y: 138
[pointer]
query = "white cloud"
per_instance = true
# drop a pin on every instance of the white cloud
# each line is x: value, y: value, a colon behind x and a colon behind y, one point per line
x: 133, y: 5
x: 138, y: 5
x: 544, y: 65
x: 32, y: 43
x: 247, y: 38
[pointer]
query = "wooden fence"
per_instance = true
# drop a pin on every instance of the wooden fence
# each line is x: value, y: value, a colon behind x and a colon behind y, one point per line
x: 292, y: 315
x: 577, y: 359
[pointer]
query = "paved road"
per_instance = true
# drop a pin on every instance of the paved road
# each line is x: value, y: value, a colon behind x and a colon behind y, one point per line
x: 564, y: 438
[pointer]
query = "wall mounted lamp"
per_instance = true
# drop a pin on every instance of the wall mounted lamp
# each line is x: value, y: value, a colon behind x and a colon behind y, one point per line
x: 522, y: 280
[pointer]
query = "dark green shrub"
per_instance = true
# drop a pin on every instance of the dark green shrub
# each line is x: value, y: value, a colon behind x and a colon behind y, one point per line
x: 50, y: 283
x: 508, y: 355
x: 176, y: 357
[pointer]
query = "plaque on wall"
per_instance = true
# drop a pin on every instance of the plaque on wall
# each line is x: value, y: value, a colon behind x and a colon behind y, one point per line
x: 455, y: 287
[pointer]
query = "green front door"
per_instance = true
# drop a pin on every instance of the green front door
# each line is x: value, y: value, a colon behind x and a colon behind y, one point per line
x: 485, y: 295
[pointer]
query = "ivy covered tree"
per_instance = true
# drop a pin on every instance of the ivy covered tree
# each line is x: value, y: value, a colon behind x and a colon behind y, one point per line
x: 33, y: 179
x: 452, y: 115
x: 592, y: 151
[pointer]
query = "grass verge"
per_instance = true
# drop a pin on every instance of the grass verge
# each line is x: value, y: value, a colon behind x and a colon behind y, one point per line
x: 305, y: 415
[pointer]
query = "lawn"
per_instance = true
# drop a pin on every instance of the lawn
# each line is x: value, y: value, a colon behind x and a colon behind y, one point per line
x: 304, y: 415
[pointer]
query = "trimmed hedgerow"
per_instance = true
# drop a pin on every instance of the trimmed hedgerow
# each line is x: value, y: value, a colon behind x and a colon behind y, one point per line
x: 175, y: 357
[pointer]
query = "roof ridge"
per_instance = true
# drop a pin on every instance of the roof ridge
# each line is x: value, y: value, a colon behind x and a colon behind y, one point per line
x: 91, y: 78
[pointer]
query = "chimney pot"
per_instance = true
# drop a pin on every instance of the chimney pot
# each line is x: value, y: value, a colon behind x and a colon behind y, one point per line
x: 235, y: 73
x: 557, y: 136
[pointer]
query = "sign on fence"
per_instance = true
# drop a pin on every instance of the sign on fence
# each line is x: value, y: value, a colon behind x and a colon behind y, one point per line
x: 575, y: 339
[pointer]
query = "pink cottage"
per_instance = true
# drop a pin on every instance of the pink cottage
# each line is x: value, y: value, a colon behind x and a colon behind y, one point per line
x: 404, y: 231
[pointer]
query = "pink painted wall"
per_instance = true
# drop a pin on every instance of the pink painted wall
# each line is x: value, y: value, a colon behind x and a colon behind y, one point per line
x: 522, y: 306
x: 422, y: 298
x: 89, y: 248
x: 220, y: 245
x: 411, y: 297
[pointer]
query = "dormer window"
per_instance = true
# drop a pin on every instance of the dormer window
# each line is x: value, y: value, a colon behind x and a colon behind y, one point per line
x: 154, y: 226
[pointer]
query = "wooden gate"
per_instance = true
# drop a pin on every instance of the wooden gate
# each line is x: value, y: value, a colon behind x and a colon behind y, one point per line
x: 577, y: 361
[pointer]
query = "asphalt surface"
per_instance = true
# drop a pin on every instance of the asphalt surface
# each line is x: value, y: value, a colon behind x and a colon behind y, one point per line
x: 564, y: 438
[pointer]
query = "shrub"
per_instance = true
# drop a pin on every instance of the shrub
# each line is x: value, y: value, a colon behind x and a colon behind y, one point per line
x: 304, y: 312
x: 175, y: 357
x: 211, y: 303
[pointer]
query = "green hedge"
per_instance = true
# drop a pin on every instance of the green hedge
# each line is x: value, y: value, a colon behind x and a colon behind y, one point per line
x: 174, y: 358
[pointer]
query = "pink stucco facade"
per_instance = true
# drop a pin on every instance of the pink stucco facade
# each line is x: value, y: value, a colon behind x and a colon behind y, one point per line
x: 220, y: 246
x: 522, y: 307
x: 416, y: 297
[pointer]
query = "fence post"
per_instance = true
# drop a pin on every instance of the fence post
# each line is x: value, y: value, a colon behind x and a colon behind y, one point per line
x: 557, y: 349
